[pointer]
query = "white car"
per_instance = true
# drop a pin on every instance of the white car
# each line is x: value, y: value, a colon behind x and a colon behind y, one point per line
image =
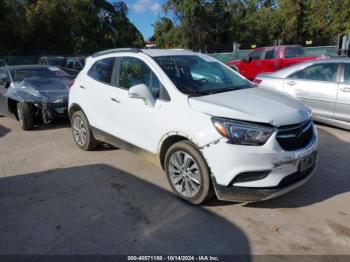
x: 210, y: 129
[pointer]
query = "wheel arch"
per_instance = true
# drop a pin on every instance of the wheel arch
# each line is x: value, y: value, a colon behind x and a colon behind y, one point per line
x: 74, y: 108
x: 168, y: 140
x: 12, y: 106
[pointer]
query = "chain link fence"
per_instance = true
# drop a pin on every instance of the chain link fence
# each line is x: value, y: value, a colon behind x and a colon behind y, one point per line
x: 310, y: 51
x: 223, y: 57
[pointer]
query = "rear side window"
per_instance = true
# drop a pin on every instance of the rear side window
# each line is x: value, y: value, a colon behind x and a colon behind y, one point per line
x: 320, y: 72
x: 102, y: 70
x: 270, y: 54
x: 134, y: 71
x: 295, y: 51
x: 347, y: 73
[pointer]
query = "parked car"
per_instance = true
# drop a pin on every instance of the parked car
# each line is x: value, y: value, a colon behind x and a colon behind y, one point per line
x: 322, y: 85
x: 4, y: 84
x: 209, y: 128
x: 34, y: 94
x: 74, y: 65
x: 269, y: 59
x: 58, y: 61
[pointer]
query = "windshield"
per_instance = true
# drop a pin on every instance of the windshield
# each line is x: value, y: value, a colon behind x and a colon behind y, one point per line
x: 200, y: 75
x: 46, y: 72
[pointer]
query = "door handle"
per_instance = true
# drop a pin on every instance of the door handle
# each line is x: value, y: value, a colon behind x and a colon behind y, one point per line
x: 82, y: 87
x: 114, y: 99
x: 345, y: 89
x: 291, y: 83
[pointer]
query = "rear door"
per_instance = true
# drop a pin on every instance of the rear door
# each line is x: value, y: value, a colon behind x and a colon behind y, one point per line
x: 292, y: 55
x: 96, y: 89
x: 342, y: 108
x: 270, y: 62
x: 316, y: 86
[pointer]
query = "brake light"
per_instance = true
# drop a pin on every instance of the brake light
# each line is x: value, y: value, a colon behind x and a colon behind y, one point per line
x: 257, y: 81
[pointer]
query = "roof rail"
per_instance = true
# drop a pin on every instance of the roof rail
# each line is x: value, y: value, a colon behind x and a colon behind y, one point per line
x: 181, y: 49
x: 116, y: 50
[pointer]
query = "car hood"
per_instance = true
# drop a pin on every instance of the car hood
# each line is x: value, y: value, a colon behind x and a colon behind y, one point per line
x: 253, y: 105
x: 36, y: 89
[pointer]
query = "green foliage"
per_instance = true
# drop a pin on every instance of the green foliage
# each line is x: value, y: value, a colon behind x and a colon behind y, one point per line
x: 203, y: 24
x: 65, y: 26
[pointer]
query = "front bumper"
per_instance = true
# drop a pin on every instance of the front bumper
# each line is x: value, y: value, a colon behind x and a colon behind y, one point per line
x: 251, y: 194
x: 51, y: 111
x: 229, y: 162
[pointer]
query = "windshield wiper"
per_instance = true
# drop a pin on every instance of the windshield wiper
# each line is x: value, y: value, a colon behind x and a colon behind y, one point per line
x: 195, y: 92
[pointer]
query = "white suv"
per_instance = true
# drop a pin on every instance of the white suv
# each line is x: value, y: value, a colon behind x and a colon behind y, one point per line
x: 210, y: 129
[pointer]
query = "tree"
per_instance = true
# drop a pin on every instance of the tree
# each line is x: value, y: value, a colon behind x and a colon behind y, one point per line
x: 65, y: 26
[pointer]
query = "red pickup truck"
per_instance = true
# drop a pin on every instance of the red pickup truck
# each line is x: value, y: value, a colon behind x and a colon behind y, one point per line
x: 269, y: 59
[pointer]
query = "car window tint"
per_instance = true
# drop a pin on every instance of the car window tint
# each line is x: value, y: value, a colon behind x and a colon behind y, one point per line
x: 133, y: 71
x: 70, y: 63
x: 255, y: 55
x: 102, y: 70
x: 292, y: 52
x: 347, y: 73
x: 77, y: 65
x: 270, y: 54
x: 320, y: 72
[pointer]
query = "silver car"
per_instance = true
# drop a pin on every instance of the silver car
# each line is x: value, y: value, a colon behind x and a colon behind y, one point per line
x: 322, y: 85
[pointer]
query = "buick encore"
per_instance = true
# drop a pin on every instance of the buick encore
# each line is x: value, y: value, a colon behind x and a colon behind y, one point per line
x: 211, y: 130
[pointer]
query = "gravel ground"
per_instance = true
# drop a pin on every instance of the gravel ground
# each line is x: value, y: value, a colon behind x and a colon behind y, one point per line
x: 56, y: 199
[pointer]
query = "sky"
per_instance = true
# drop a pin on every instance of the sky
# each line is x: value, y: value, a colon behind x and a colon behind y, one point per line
x: 144, y: 13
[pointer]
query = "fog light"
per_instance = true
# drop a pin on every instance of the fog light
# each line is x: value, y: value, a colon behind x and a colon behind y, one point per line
x: 250, y: 176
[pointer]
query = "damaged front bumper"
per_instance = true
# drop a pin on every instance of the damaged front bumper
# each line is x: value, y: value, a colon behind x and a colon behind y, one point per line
x: 51, y: 111
x: 251, y: 194
x: 257, y: 173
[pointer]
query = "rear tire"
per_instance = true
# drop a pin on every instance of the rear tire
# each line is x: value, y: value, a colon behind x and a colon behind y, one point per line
x: 81, y: 130
x: 24, y: 115
x: 188, y: 173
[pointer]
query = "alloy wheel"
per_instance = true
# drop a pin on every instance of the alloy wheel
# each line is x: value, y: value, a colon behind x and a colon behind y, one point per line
x: 184, y: 174
x: 79, y: 131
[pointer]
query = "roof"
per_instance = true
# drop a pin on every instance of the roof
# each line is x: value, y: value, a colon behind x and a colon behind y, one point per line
x: 150, y: 52
x: 167, y: 52
x: 276, y: 46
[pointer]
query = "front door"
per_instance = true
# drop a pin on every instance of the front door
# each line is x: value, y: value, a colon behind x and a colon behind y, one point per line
x: 316, y: 86
x: 96, y: 91
x: 133, y: 121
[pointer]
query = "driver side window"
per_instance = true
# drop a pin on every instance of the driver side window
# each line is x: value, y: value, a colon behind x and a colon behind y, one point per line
x: 134, y: 71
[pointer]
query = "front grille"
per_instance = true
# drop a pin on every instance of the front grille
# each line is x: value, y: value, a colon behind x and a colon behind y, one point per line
x: 295, y: 137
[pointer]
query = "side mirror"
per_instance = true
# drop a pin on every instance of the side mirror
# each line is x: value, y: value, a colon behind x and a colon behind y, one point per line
x: 141, y: 91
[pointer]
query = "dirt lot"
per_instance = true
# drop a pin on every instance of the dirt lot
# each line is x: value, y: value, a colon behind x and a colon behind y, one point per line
x: 56, y: 199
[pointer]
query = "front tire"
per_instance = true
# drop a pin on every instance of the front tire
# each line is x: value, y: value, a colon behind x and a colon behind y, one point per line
x: 81, y: 130
x: 188, y: 173
x: 24, y: 115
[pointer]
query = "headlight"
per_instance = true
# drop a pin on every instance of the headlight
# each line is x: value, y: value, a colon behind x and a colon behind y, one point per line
x: 242, y: 133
